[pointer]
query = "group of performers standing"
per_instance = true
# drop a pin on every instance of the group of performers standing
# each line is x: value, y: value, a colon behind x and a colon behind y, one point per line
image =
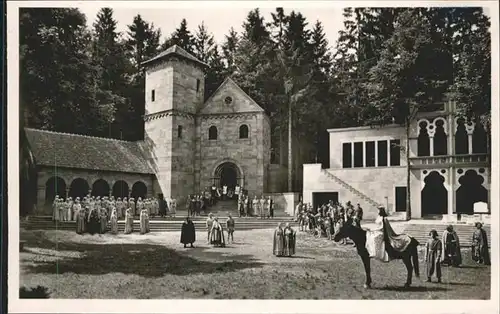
x: 446, y: 251
x: 215, y: 231
x: 257, y: 207
x: 65, y: 210
x: 93, y: 213
x: 284, y: 241
x: 323, y: 221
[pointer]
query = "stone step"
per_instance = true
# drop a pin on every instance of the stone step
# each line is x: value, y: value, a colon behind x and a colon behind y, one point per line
x: 464, y: 232
x: 157, y: 225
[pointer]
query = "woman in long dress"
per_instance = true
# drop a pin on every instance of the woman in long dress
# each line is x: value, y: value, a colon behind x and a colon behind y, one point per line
x: 217, y: 234
x: 80, y: 220
x: 376, y: 242
x: 289, y: 235
x: 279, y: 241
x: 114, y: 221
x: 143, y: 220
x: 55, y: 209
x: 129, y: 221
x: 103, y: 221
x: 480, y: 253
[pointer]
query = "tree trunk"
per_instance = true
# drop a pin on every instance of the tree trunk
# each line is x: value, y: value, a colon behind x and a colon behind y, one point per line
x: 290, y: 164
x: 408, y: 172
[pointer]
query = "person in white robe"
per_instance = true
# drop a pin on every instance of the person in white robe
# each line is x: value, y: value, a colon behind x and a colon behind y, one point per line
x: 114, y: 222
x: 76, y: 207
x: 173, y: 206
x: 69, y: 209
x: 143, y: 221
x: 129, y: 221
x: 375, y: 241
x: 55, y: 209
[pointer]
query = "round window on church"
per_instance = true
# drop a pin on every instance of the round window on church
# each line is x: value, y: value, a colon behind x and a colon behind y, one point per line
x: 228, y: 100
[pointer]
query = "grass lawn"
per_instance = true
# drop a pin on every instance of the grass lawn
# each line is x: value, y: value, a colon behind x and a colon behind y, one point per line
x: 156, y: 266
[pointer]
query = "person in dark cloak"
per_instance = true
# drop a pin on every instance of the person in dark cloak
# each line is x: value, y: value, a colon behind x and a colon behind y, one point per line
x: 94, y: 221
x: 188, y: 232
x: 480, y: 253
x: 451, y: 254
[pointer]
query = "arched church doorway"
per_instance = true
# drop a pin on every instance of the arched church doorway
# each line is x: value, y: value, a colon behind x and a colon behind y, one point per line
x: 54, y: 186
x: 471, y: 190
x: 78, y: 188
x: 100, y: 188
x: 120, y: 189
x: 139, y: 189
x: 434, y: 195
x: 227, y: 174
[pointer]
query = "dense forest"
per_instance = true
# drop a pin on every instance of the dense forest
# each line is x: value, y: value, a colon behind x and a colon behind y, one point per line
x: 386, y: 64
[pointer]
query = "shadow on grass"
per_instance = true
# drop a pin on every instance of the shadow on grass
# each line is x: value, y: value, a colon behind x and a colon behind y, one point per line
x: 410, y: 289
x: 467, y: 267
x: 147, y: 260
x: 39, y: 292
x: 302, y: 257
x: 458, y: 284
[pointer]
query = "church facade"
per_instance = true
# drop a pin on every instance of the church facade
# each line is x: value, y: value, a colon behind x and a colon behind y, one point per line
x: 189, y: 144
x: 193, y: 144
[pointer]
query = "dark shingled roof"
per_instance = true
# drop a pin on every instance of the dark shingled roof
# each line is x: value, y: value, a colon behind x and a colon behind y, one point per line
x: 86, y: 152
x: 176, y: 51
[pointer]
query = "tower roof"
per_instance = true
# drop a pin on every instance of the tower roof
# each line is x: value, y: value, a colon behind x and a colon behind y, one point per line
x: 175, y: 51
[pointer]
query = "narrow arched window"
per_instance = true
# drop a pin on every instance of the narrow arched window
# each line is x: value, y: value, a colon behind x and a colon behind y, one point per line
x: 244, y: 131
x: 212, y: 133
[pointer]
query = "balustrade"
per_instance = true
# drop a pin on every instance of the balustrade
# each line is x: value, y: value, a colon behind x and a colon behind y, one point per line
x: 479, y: 159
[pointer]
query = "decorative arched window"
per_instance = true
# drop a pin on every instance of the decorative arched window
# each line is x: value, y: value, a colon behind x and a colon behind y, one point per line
x: 212, y: 133
x: 244, y: 131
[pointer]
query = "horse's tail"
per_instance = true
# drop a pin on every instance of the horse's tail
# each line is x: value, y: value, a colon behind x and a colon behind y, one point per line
x: 414, y: 256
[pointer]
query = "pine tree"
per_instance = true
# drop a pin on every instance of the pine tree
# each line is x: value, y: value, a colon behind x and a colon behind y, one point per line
x: 182, y: 37
x: 229, y: 50
x: 109, y: 54
x: 216, y: 75
x: 204, y: 44
x: 143, y: 41
x: 142, y: 44
x: 279, y: 24
x: 254, y: 28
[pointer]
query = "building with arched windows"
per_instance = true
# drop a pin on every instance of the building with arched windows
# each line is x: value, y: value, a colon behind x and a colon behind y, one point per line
x: 449, y: 168
x: 189, y: 144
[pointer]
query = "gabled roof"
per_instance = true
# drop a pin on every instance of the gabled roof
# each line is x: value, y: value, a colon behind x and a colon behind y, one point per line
x: 210, y: 106
x: 175, y: 51
x: 86, y: 152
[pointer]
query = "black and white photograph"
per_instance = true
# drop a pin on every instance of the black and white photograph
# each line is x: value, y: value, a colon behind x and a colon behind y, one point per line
x: 245, y: 151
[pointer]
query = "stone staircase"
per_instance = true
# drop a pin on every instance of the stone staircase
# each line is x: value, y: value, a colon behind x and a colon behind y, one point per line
x: 420, y: 231
x: 351, y: 189
x: 160, y: 224
x: 223, y: 208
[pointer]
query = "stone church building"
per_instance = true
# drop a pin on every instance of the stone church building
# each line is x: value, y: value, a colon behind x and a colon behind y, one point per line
x: 189, y: 144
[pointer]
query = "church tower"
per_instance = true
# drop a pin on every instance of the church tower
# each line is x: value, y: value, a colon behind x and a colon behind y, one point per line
x: 174, y: 92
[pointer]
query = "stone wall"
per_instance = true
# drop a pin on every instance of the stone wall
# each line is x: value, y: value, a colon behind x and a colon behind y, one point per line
x: 362, y: 134
x: 247, y: 154
x: 285, y: 201
x: 183, y: 157
x: 376, y: 183
x: 90, y: 176
x: 158, y: 149
x: 174, y: 82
